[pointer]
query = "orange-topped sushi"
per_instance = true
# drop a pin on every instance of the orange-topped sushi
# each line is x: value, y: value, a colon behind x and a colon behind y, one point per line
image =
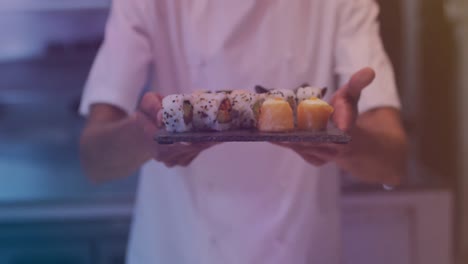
x: 313, y: 114
x: 276, y: 115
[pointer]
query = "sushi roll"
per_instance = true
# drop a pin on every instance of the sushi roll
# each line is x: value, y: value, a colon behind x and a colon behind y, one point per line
x: 275, y: 115
x: 177, y: 113
x: 243, y: 115
x: 305, y: 92
x: 313, y: 114
x: 211, y: 111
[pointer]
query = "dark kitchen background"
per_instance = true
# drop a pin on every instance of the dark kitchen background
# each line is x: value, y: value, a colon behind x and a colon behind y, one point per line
x: 51, y: 213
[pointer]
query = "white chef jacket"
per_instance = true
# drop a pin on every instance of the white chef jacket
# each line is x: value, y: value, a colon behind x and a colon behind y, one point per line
x: 237, y: 202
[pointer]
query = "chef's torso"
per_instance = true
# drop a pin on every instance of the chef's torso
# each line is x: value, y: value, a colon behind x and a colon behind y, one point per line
x: 239, y: 202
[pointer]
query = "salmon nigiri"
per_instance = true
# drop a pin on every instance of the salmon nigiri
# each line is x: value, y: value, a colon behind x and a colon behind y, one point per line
x: 313, y: 114
x: 276, y: 115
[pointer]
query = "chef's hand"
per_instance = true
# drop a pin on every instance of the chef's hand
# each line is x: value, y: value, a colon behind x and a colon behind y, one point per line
x: 149, y: 116
x: 345, y: 102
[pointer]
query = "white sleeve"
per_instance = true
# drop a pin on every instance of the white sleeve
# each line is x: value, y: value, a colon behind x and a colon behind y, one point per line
x: 359, y: 45
x: 121, y: 67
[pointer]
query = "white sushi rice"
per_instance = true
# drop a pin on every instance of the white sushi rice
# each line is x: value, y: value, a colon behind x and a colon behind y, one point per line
x: 306, y: 92
x: 173, y: 113
x: 281, y: 93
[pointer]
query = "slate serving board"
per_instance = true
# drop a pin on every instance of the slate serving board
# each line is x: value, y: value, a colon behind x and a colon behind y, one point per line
x: 331, y: 135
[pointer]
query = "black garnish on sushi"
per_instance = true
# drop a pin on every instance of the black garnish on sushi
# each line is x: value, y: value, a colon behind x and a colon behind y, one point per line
x: 260, y: 89
x: 324, y: 91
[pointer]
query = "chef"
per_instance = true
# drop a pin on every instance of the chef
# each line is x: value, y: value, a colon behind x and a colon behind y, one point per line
x: 240, y: 202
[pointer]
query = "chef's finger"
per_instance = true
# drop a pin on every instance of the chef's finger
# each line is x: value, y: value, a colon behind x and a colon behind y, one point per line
x: 325, y: 153
x: 151, y: 104
x: 314, y: 160
x: 346, y: 99
x: 360, y: 80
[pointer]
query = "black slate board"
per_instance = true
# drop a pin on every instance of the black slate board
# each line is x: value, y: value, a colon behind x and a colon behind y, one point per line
x: 331, y: 135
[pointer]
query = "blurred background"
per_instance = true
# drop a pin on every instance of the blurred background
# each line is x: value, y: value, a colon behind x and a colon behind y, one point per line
x: 50, y: 212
